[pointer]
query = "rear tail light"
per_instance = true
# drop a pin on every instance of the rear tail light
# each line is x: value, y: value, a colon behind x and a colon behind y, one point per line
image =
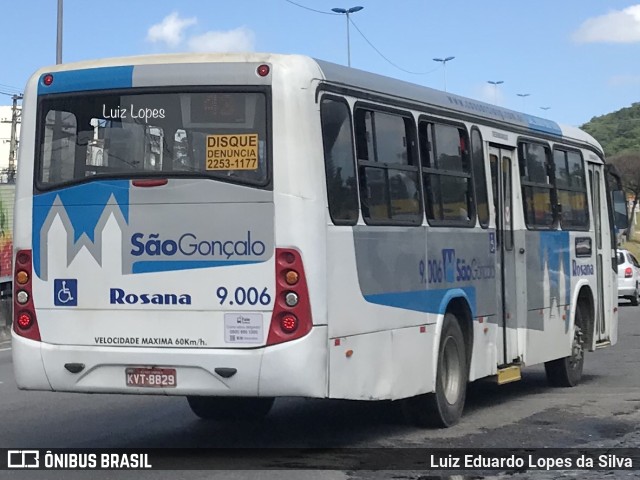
x: 289, y: 323
x: 25, y: 322
x: 291, y: 317
x: 628, y: 273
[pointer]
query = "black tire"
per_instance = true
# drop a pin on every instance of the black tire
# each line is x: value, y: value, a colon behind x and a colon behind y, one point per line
x: 635, y: 297
x: 567, y: 371
x: 444, y: 407
x: 230, y: 408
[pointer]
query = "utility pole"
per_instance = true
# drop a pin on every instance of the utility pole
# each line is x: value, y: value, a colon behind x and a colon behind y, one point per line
x: 16, y: 115
x: 59, y: 33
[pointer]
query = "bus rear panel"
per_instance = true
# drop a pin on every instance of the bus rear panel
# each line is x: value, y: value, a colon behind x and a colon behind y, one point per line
x: 150, y: 259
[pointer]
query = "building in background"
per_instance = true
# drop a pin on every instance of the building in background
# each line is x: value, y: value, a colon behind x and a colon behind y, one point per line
x: 8, y: 123
x: 6, y: 120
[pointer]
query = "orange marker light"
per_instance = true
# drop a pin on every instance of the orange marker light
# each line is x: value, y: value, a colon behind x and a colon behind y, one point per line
x: 22, y: 277
x: 291, y: 277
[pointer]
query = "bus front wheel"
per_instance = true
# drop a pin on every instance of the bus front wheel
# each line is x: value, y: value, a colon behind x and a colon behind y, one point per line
x: 443, y: 408
x: 230, y: 408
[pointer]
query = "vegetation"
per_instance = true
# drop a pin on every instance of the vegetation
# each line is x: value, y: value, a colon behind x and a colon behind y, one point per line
x: 618, y: 132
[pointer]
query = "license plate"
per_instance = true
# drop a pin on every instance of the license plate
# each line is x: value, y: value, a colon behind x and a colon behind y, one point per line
x: 151, y: 377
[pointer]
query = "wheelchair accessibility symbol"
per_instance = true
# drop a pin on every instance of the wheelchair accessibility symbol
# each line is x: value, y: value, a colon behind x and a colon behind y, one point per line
x: 65, y: 292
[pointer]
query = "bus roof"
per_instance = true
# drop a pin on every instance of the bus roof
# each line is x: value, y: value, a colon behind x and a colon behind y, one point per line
x: 375, y: 84
x: 399, y: 89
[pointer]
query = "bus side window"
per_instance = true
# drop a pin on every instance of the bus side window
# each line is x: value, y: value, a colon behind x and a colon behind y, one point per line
x: 447, y: 174
x: 538, y: 193
x: 339, y: 162
x: 479, y: 178
x: 572, y: 189
x: 388, y: 168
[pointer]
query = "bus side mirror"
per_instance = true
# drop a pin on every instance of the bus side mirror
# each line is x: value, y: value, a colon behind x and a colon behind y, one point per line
x: 620, y: 214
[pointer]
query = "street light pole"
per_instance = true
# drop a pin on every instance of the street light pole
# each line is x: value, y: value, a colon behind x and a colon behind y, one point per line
x: 59, y: 34
x: 444, y: 68
x: 347, y: 12
x: 495, y: 89
x: 523, y: 96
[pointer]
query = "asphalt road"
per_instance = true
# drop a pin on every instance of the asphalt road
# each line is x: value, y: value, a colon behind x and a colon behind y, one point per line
x: 603, y: 411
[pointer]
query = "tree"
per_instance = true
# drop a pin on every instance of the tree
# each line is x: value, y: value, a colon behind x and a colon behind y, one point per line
x: 628, y: 166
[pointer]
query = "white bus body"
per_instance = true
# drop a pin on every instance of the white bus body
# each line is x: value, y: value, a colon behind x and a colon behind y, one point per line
x: 182, y: 229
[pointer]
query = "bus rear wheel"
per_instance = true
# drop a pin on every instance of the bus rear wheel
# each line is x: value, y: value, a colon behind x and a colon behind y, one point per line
x: 443, y: 408
x: 230, y: 408
x: 567, y: 371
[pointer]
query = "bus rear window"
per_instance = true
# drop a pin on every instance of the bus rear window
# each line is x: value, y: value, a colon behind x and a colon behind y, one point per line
x: 221, y: 135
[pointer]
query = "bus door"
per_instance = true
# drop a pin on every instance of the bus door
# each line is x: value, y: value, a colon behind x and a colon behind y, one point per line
x: 599, y: 209
x: 501, y: 177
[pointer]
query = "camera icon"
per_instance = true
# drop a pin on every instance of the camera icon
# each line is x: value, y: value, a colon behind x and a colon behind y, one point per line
x: 23, y: 459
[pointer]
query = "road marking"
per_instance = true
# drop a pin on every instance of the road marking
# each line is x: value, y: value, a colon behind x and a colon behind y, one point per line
x: 5, y: 349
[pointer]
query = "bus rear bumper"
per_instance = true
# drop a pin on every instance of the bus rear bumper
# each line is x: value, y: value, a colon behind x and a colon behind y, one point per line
x: 296, y: 368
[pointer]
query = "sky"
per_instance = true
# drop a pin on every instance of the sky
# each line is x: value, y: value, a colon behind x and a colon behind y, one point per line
x: 576, y: 58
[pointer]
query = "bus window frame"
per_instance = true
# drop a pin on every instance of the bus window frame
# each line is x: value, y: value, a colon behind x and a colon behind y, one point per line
x: 431, y: 121
x: 39, y: 187
x: 414, y: 156
x: 354, y: 159
x: 571, y: 228
x: 550, y: 171
x: 484, y: 163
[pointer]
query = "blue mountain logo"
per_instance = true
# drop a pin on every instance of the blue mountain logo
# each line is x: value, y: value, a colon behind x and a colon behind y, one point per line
x: 449, y: 264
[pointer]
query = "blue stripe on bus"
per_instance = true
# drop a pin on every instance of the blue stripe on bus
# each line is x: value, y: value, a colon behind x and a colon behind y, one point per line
x: 428, y: 301
x: 542, y: 125
x: 104, y: 78
x: 167, y: 266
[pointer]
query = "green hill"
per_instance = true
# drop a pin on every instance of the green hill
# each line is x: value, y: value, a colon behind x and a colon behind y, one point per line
x: 618, y: 132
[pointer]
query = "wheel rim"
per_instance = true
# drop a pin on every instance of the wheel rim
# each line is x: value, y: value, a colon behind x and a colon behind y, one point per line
x: 451, y: 369
x: 577, y: 350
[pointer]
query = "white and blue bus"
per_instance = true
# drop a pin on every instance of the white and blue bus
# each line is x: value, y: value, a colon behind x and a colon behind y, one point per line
x: 234, y: 228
